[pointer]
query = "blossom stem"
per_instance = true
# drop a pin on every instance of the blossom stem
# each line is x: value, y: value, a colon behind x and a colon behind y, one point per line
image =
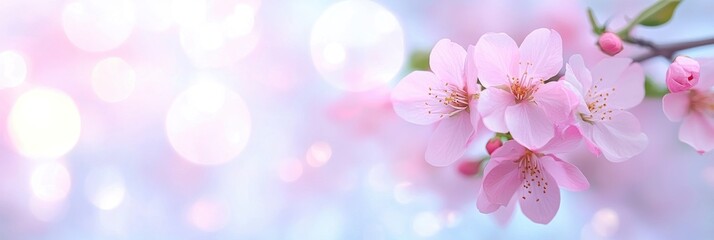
x: 666, y: 50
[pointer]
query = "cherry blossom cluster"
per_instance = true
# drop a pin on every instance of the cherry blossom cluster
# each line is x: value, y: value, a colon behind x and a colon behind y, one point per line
x: 521, y: 92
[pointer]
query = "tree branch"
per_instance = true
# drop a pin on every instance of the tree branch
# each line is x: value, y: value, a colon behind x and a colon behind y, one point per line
x: 667, y: 50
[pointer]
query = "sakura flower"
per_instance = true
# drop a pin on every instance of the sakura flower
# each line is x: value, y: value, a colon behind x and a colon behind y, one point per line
x: 613, y: 86
x: 610, y: 43
x: 531, y: 176
x: 682, y: 74
x: 516, y: 98
x: 695, y: 108
x: 493, y: 144
x: 446, y: 96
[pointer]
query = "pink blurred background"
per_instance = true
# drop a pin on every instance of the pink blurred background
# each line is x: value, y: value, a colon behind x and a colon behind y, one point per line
x: 250, y: 119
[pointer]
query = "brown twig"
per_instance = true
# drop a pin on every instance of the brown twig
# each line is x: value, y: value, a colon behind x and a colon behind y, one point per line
x: 667, y: 50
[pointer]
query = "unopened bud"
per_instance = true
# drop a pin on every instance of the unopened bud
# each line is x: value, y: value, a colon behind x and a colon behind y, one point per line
x: 469, y: 168
x: 682, y: 74
x: 610, y: 43
x: 493, y: 144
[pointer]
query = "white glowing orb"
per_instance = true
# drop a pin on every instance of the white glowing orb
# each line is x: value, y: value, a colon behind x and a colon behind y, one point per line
x: 240, y: 22
x: 426, y: 224
x: 208, y: 215
x: 155, y: 15
x: 105, y: 188
x: 403, y: 192
x: 605, y: 222
x: 98, y: 25
x: 50, y: 182
x: 45, y: 211
x: 357, y: 45
x: 208, y: 123
x: 113, y: 79
x: 188, y: 12
x: 219, y: 41
x: 318, y: 154
x: 13, y: 69
x: 290, y: 170
x: 44, y: 124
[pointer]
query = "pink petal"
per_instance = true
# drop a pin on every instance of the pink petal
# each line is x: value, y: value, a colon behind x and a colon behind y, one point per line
x: 447, y: 62
x: 543, y: 48
x: 542, y: 203
x: 501, y: 182
x: 556, y: 100
x: 529, y: 125
x: 411, y: 95
x: 504, y: 215
x: 607, y: 72
x: 586, y: 131
x: 510, y: 151
x: 620, y: 138
x: 564, y: 141
x: 706, y: 74
x: 496, y: 57
x: 629, y: 88
x: 594, y: 149
x: 676, y: 105
x: 492, y: 105
x: 449, y: 141
x: 474, y: 113
x: 484, y: 205
x: 697, y: 130
x: 470, y: 72
x: 577, y: 74
x: 567, y: 175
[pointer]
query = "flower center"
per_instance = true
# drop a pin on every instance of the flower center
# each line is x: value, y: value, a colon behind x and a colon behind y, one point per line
x: 524, y: 86
x: 703, y: 102
x: 451, y: 100
x: 596, y: 100
x: 534, y: 181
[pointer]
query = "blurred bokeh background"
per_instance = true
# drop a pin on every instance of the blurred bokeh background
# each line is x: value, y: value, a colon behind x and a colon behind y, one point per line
x: 250, y: 119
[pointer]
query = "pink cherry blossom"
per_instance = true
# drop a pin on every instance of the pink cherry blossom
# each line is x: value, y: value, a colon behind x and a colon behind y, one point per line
x: 610, y: 43
x: 531, y: 176
x: 682, y: 74
x: 695, y: 108
x: 613, y: 86
x: 516, y: 98
x: 446, y: 96
x: 493, y: 144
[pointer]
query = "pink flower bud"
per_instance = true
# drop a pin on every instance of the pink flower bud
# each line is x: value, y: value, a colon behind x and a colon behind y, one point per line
x: 493, y: 144
x: 610, y: 43
x: 682, y: 74
x: 469, y: 168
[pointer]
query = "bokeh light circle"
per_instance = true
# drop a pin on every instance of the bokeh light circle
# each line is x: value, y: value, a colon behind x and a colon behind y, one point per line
x: 605, y: 222
x: 357, y: 45
x: 208, y: 215
x: 290, y: 170
x: 220, y: 40
x: 44, y: 124
x: 13, y: 69
x: 318, y: 154
x: 426, y: 224
x: 208, y: 123
x: 105, y: 188
x: 113, y: 79
x: 50, y: 182
x: 98, y: 25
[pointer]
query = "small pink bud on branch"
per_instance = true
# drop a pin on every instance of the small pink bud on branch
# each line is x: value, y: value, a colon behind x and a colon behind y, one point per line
x: 682, y: 74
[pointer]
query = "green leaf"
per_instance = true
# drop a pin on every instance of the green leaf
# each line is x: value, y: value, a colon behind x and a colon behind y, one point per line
x: 593, y: 23
x: 419, y: 60
x: 652, y: 90
x: 659, y: 14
